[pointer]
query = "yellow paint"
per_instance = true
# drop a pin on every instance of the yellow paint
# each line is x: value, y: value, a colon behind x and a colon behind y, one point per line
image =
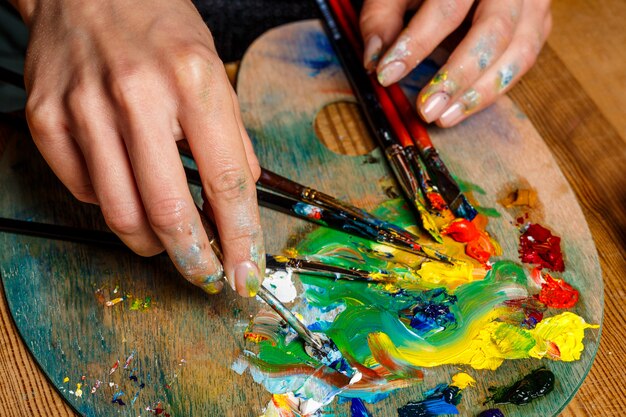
x: 433, y: 86
x: 450, y: 276
x: 79, y: 391
x: 462, y: 380
x: 114, y: 301
x: 566, y: 331
x: 278, y: 407
x: 66, y: 380
x: 488, y: 343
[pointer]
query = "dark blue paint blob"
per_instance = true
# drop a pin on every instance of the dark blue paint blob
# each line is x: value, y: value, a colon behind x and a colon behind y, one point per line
x: 431, y: 311
x: 443, y: 399
x: 357, y: 408
x: 117, y: 398
x: 492, y: 412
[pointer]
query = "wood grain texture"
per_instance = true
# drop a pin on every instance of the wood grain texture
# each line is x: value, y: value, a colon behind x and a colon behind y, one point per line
x: 602, y: 393
x: 590, y: 39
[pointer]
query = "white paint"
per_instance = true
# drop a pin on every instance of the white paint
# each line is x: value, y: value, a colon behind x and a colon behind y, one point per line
x: 281, y: 285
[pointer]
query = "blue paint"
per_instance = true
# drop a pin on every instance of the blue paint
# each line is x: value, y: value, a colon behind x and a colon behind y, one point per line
x: 315, y: 53
x: 431, y: 313
x: 357, y: 408
x: 492, y: 412
x: 308, y: 210
x: 443, y: 399
x: 117, y: 398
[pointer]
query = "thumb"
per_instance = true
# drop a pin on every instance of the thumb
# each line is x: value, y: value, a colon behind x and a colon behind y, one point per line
x: 381, y: 22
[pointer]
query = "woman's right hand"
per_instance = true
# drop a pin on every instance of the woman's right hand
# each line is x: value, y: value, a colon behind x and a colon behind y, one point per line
x: 111, y: 86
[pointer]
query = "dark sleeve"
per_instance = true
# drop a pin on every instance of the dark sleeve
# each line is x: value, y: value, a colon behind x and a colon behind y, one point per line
x: 236, y: 23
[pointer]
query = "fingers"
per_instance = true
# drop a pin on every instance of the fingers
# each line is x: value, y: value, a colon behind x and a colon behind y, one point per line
x: 432, y: 23
x: 489, y: 37
x: 520, y: 55
x: 210, y: 123
x: 161, y: 180
x: 253, y: 161
x: 381, y: 21
x: 109, y: 168
x: 50, y: 133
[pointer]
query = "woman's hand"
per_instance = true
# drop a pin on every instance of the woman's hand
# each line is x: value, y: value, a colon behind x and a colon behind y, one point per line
x: 502, y: 44
x: 111, y: 86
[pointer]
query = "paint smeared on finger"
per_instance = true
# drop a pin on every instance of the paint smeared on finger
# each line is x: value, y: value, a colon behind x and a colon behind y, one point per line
x: 506, y: 75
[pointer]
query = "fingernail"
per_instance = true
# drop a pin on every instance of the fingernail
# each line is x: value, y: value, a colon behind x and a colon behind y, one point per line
x: 436, y: 103
x: 452, y: 115
x: 372, y: 52
x: 213, y: 287
x: 391, y: 73
x: 247, y: 278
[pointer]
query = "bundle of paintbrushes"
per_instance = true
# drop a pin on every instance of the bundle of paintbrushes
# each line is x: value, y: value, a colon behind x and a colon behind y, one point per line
x: 287, y: 196
x: 422, y: 175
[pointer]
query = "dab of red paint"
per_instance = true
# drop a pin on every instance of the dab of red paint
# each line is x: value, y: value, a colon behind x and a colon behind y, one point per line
x: 557, y: 293
x: 538, y: 246
x: 480, y: 248
x: 436, y: 201
x: 553, y: 351
x: 461, y: 230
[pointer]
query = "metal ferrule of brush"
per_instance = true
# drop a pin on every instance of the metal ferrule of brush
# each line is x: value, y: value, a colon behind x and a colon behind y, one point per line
x: 402, y: 169
x: 422, y: 176
x: 389, y: 232
x: 324, y: 200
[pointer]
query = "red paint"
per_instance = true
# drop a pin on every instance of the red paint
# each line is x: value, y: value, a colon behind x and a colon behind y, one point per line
x: 158, y: 410
x: 557, y: 293
x: 538, y: 245
x: 436, y: 201
x: 536, y: 276
x: 461, y: 230
x: 553, y: 350
x: 480, y: 249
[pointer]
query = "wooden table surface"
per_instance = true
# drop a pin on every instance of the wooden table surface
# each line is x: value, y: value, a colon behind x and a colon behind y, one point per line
x: 575, y: 97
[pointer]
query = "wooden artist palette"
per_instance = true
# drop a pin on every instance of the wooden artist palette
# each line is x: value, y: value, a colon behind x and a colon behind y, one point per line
x: 183, y: 343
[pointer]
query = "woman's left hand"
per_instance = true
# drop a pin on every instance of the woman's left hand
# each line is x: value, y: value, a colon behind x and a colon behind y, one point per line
x: 502, y: 44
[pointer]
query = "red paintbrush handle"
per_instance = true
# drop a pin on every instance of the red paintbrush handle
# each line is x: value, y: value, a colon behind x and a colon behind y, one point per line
x: 346, y: 15
x: 410, y: 117
x: 385, y: 101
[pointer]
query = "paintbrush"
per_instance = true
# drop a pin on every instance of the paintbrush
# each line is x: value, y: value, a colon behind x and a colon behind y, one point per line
x: 330, y: 218
x: 349, y: 213
x: 385, y: 125
x: 275, y: 182
x: 316, y: 345
x: 108, y: 239
x: 350, y: 220
x: 320, y: 269
x: 447, y: 187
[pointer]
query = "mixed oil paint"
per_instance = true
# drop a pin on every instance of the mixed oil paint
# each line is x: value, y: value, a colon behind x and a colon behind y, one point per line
x: 475, y: 314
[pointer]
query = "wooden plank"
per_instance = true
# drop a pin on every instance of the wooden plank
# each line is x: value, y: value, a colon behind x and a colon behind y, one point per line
x: 589, y: 39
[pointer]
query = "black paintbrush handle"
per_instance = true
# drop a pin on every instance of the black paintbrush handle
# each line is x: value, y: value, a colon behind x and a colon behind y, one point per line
x: 359, y: 80
x: 58, y: 232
